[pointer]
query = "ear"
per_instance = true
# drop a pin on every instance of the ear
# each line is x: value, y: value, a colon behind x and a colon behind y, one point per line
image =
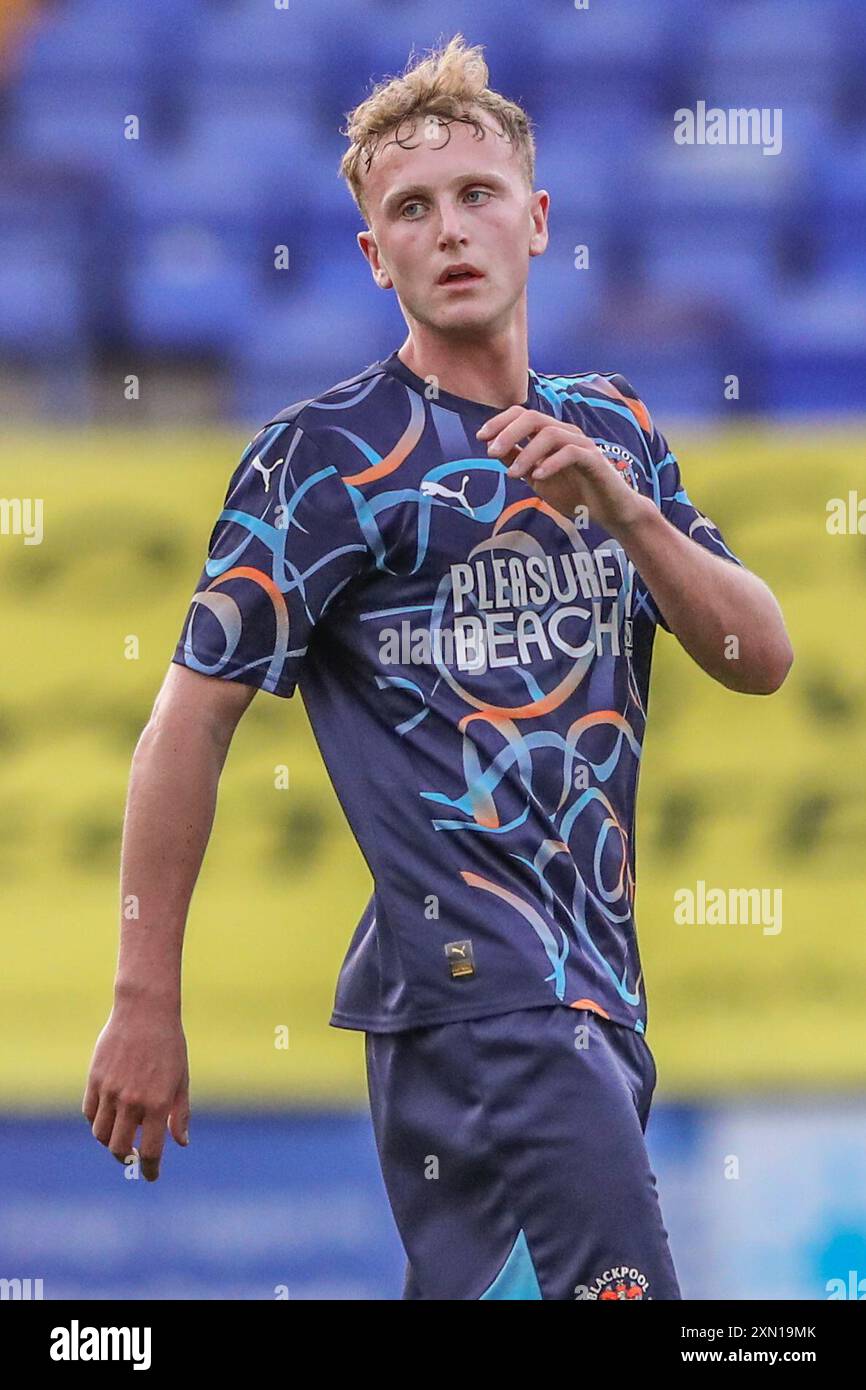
x: 370, y: 250
x: 538, y: 210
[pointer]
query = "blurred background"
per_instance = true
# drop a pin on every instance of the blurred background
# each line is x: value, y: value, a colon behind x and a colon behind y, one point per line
x: 154, y: 158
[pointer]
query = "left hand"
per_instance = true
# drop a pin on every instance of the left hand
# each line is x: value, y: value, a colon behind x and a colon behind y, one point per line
x: 563, y: 465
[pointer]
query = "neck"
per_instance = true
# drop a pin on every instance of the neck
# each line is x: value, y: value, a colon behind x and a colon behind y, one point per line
x: 492, y: 369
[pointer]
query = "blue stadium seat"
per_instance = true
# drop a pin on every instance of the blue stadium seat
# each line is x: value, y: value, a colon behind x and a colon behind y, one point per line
x: 240, y: 105
x: 713, y: 262
x: 825, y: 315
x: 625, y: 38
x: 842, y: 251
x: 754, y: 53
x: 46, y: 199
x: 562, y: 298
x: 188, y: 294
x: 88, y: 132
x: 677, y: 379
x: 270, y: 44
x: 805, y: 379
x: 328, y: 330
x: 85, y: 40
x: 836, y: 215
x: 42, y: 298
x: 271, y: 139
x: 769, y: 34
x: 231, y: 198
x: 55, y: 217
x: 732, y: 185
x: 583, y: 177
x: 401, y: 26
x: 303, y: 52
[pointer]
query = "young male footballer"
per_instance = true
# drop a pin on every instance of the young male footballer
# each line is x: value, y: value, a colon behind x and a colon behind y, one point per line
x: 461, y: 562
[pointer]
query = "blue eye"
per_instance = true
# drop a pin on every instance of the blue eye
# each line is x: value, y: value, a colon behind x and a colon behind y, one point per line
x: 485, y: 193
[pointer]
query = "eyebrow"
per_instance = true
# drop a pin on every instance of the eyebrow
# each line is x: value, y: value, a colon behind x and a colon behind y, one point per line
x: 412, y: 190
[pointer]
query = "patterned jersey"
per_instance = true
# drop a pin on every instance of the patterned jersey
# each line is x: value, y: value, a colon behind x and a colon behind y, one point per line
x: 475, y: 666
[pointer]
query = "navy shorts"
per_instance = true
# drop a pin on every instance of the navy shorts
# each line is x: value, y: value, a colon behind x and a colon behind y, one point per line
x: 513, y: 1155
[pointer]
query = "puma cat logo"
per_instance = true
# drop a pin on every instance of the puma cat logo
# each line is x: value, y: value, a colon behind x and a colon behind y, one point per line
x: 431, y: 489
x: 265, y: 472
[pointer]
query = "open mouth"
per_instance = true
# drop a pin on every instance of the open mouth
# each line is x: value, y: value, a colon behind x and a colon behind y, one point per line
x: 460, y: 275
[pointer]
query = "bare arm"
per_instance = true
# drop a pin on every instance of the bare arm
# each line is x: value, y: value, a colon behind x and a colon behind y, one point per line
x: 139, y: 1073
x: 707, y: 601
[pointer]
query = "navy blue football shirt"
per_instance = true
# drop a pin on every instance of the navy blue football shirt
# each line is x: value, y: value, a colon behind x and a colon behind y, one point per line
x: 475, y: 667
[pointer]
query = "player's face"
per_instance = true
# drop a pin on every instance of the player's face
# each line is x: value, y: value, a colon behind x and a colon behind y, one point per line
x: 453, y: 198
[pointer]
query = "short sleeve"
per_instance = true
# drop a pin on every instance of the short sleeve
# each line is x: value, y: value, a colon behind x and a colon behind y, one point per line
x: 669, y: 490
x: 284, y: 546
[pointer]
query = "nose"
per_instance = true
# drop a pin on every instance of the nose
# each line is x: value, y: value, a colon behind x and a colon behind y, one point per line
x: 450, y: 226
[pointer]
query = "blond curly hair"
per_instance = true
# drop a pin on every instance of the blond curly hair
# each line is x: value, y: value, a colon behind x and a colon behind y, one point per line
x: 450, y: 84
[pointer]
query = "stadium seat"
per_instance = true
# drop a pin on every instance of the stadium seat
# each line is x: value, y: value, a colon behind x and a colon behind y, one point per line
x: 239, y: 106
x: 603, y: 39
x: 189, y: 294
x: 42, y: 298
x: 325, y: 332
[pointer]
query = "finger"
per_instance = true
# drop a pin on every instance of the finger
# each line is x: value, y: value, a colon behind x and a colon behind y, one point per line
x: 569, y: 456
x: 550, y: 444
x: 90, y: 1103
x: 103, y: 1123
x: 496, y: 422
x: 534, y: 453
x: 512, y: 457
x: 126, y: 1122
x: 558, y: 462
x: 525, y: 426
x: 178, y: 1120
x: 533, y: 423
x: 548, y: 436
x: 152, y: 1142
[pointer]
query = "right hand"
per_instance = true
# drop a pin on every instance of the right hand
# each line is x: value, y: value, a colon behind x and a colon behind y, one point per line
x: 139, y: 1076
